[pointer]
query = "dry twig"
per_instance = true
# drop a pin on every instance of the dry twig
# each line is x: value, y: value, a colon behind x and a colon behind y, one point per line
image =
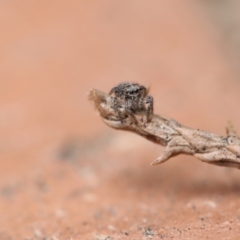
x: 123, y: 112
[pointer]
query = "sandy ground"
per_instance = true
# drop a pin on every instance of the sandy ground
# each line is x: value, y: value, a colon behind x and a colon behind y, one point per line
x: 64, y: 174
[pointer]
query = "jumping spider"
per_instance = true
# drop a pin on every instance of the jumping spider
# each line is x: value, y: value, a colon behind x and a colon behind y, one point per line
x: 133, y: 98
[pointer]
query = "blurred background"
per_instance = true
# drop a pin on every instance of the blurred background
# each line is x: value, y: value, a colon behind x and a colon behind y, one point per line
x: 64, y: 174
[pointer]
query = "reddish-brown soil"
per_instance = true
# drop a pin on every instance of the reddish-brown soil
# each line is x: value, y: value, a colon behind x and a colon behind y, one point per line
x: 64, y: 174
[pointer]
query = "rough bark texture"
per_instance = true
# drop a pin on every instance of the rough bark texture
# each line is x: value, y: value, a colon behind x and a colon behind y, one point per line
x: 177, y: 139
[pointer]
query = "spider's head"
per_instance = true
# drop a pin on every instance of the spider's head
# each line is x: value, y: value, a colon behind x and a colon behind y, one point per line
x: 135, y: 91
x: 129, y: 91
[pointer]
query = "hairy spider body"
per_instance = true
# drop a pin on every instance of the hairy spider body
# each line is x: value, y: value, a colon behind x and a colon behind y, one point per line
x: 133, y: 98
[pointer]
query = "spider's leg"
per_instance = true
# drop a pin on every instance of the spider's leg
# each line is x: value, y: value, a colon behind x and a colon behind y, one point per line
x: 149, y: 106
x: 141, y: 103
x: 128, y: 109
